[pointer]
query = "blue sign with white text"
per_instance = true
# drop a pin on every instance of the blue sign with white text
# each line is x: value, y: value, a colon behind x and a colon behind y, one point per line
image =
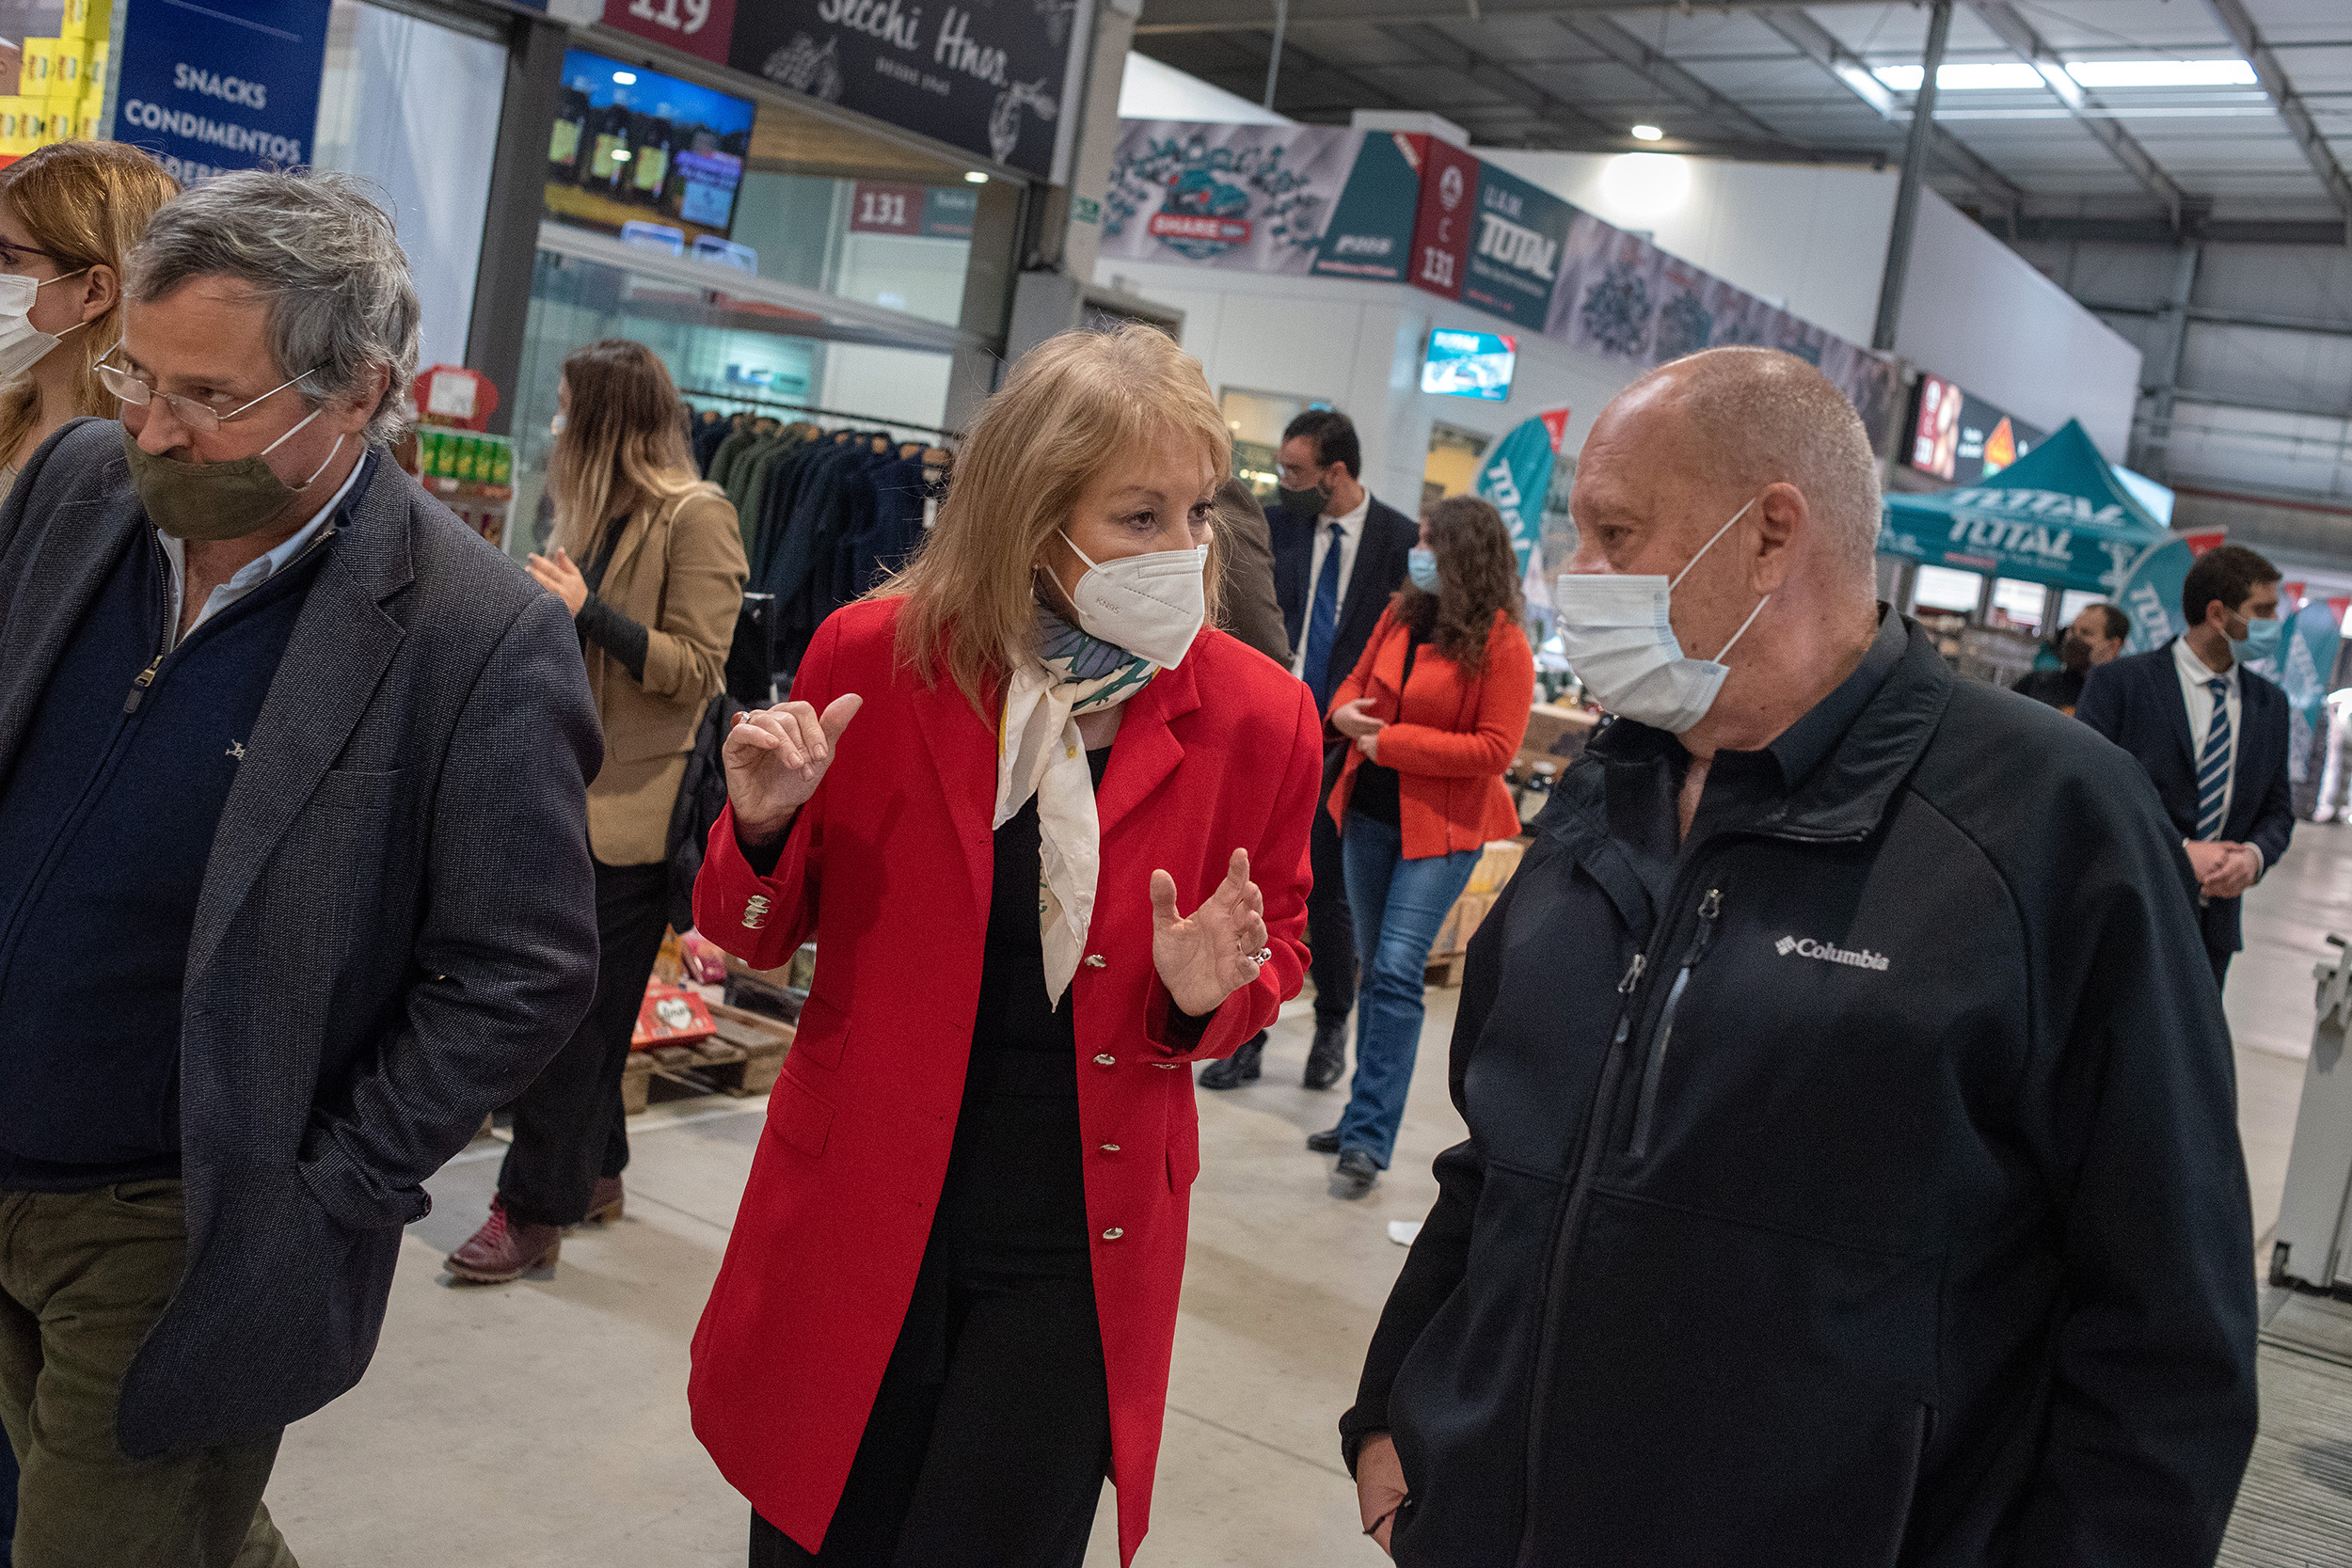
x: 212, y: 88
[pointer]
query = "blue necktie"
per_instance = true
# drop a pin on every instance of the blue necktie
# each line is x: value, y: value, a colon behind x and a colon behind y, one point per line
x: 2213, y: 766
x: 1322, y: 625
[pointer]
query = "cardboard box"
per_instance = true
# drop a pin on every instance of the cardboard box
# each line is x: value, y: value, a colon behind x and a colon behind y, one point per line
x: 1461, y: 922
x: 36, y: 64
x: 14, y: 141
x: 1495, y: 866
x: 88, y: 18
x: 1555, y: 731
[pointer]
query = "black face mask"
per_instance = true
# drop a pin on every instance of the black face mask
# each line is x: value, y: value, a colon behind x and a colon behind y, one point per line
x: 2074, y: 653
x: 1308, y: 503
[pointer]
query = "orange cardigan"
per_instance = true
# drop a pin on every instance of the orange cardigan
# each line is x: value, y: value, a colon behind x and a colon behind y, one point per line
x: 1450, y: 737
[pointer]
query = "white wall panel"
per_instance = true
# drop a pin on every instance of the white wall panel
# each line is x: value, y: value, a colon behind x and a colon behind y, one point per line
x: 1976, y: 312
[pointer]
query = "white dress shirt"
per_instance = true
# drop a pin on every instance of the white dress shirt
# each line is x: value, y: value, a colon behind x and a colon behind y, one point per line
x: 1351, y: 535
x: 246, y: 579
x: 2195, y: 673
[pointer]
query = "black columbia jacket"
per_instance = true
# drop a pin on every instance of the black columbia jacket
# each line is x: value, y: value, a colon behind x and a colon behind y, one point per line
x: 1873, y: 1199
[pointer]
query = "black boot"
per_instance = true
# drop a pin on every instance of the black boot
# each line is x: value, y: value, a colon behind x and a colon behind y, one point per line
x: 1327, y: 1057
x: 1234, y: 1070
x: 1324, y: 1143
x: 1356, y: 1176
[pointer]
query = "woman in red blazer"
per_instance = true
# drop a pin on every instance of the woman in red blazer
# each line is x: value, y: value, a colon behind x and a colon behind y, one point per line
x: 950, y: 1297
x: 1436, y: 706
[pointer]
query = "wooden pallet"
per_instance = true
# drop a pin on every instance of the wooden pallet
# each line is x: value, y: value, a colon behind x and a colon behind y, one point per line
x: 740, y: 1061
x: 1445, y: 969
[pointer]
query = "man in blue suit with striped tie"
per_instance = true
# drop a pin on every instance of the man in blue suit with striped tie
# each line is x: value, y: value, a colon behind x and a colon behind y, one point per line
x: 2212, y: 734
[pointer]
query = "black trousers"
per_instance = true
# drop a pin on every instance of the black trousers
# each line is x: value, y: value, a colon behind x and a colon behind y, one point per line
x: 998, y: 1463
x: 1331, y: 925
x: 569, y: 1128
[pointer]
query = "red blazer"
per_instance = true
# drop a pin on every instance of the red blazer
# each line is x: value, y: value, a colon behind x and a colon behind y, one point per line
x: 1450, y: 737
x: 890, y: 863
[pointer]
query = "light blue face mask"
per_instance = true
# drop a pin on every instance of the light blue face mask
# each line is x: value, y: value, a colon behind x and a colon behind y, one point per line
x: 1422, y: 566
x: 2261, y: 642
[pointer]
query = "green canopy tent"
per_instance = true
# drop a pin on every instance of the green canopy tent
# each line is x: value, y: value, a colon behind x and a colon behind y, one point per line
x: 2056, y: 515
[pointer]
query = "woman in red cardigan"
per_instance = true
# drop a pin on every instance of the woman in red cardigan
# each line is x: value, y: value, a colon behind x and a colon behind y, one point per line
x: 950, y: 1293
x: 1436, y: 706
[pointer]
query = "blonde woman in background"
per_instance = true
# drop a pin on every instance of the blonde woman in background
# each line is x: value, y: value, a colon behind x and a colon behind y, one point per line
x: 648, y: 560
x: 68, y: 214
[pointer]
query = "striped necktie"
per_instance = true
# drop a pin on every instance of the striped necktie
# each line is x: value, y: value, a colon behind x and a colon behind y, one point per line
x: 2213, y: 766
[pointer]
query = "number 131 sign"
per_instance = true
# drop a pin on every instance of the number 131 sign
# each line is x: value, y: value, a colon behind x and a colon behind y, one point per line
x: 698, y: 26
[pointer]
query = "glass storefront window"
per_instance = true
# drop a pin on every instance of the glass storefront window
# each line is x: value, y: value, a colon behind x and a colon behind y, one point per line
x: 1947, y: 589
x: 2075, y: 601
x: 1451, y: 467
x: 2018, y: 604
x: 1256, y: 420
x: 410, y: 105
x: 723, y: 352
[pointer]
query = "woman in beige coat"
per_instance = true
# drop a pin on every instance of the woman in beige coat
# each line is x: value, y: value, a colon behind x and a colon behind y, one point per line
x: 649, y: 560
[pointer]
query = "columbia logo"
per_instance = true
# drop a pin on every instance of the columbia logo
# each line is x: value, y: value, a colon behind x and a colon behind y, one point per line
x: 1805, y: 948
x: 756, y: 911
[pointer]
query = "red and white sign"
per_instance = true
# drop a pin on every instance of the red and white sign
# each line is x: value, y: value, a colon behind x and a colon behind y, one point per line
x: 1445, y: 220
x: 1187, y: 226
x: 880, y: 207
x: 702, y: 27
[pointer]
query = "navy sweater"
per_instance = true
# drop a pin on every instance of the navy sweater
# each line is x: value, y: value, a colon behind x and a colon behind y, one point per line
x: 106, y: 822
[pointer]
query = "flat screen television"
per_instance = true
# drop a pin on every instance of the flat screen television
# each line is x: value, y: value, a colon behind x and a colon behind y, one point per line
x: 1470, y: 364
x: 632, y: 144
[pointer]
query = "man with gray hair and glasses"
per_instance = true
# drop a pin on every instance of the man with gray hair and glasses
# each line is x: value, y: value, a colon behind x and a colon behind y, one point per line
x: 295, y: 883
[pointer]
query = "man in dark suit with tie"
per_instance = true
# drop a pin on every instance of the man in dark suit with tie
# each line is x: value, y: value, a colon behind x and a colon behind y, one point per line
x: 1338, y: 557
x: 2212, y: 735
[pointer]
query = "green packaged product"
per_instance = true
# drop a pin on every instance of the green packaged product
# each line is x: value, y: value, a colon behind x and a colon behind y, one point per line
x: 463, y: 470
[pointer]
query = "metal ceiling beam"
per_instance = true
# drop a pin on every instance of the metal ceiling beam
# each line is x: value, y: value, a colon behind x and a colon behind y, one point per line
x: 1820, y: 46
x: 2019, y: 34
x: 2332, y: 326
x: 1217, y: 16
x: 2273, y: 76
x: 1492, y: 75
x: 2156, y: 232
x: 1621, y: 44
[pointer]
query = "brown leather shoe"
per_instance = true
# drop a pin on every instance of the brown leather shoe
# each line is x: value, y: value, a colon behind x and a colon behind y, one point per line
x: 504, y: 1249
x: 604, y: 1204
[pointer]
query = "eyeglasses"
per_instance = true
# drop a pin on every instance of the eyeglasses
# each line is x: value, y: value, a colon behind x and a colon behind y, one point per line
x: 202, y: 417
x: 12, y: 256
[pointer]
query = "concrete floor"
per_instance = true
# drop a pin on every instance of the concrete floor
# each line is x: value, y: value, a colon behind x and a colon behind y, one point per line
x: 544, y: 1423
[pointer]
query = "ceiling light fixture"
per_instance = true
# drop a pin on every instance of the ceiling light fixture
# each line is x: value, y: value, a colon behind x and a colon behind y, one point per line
x: 1965, y: 76
x: 2162, y: 73
x: 625, y: 78
x: 976, y: 176
x: 1648, y: 133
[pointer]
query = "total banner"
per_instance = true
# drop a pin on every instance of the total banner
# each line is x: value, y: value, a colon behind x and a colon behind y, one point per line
x: 1324, y: 200
x: 988, y: 76
x: 206, y: 91
x: 2151, y: 590
x: 1517, y: 477
x: 2307, y: 658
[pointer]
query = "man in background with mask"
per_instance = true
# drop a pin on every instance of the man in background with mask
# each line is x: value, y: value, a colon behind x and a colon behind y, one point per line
x: 1851, y: 1175
x: 2212, y: 735
x: 1338, y: 558
x: 2095, y: 637
x: 294, y: 883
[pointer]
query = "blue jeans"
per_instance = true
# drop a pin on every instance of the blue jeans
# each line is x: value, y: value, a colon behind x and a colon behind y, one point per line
x: 1398, y: 904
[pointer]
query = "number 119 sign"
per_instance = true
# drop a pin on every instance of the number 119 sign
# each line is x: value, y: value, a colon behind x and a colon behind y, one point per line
x: 698, y: 26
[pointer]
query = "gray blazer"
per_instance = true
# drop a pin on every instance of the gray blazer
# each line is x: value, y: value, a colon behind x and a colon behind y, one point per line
x: 397, y: 927
x: 1246, y: 586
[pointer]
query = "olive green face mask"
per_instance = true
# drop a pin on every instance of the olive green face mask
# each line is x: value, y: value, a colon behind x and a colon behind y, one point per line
x: 214, y: 501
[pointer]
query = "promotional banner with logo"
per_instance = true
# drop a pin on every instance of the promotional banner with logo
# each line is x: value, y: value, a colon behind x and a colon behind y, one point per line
x: 1957, y: 436
x: 1371, y: 234
x: 2059, y: 516
x: 1515, y: 254
x: 986, y: 77
x: 1320, y: 200
x: 2307, y: 658
x: 1516, y: 476
x: 1444, y: 220
x: 207, y: 91
x: 1249, y: 197
x: 2149, y: 592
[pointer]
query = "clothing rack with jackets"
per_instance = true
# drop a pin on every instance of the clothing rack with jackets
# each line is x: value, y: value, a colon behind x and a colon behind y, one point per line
x: 827, y: 514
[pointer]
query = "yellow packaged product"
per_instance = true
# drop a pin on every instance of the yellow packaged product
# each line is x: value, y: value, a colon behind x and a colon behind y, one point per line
x: 37, y: 62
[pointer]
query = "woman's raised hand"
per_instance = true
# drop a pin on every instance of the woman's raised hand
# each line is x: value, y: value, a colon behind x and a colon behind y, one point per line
x: 1205, y: 957
x: 777, y: 757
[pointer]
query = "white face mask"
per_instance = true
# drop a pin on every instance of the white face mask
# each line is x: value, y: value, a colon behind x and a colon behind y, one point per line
x: 1150, y: 605
x: 1616, y: 637
x: 22, y: 345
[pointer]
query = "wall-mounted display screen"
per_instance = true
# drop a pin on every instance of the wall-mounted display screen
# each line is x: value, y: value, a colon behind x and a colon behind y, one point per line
x: 1961, y: 437
x: 632, y: 144
x: 1470, y: 364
